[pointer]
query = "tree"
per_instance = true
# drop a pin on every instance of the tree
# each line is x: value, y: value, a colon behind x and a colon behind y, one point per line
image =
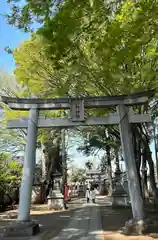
x: 78, y: 175
x: 107, y: 55
x: 39, y: 68
x: 89, y: 165
x: 10, y: 176
x: 88, y: 55
x: 123, y: 53
x: 105, y: 139
x: 15, y: 140
x: 11, y: 141
x: 22, y: 14
x: 10, y: 170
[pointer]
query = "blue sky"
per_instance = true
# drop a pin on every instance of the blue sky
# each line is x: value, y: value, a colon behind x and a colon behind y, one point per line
x: 9, y: 36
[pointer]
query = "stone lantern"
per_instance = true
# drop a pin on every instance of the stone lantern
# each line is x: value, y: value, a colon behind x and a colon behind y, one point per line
x: 55, y: 197
x: 119, y: 195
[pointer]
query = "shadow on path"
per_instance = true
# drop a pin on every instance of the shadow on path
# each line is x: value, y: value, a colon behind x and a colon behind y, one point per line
x: 114, y: 219
x: 50, y: 224
x: 85, y: 224
x: 112, y: 222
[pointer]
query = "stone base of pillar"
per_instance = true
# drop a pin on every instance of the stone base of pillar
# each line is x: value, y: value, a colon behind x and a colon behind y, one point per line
x: 22, y: 229
x: 120, y: 197
x: 55, y: 200
x: 139, y: 227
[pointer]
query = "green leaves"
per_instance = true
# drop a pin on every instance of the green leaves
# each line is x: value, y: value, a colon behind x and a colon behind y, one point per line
x: 96, y: 139
x: 88, y: 48
x: 78, y: 175
x: 91, y: 49
x: 89, y: 165
x: 10, y: 172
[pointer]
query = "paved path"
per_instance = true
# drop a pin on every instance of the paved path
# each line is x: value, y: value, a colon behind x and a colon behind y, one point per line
x: 83, y: 222
x: 84, y: 225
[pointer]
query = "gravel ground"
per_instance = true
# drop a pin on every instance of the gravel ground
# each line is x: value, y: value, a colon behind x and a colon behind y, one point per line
x: 114, y: 220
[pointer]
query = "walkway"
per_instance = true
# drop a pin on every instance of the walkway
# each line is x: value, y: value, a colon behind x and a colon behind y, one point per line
x: 84, y: 225
x: 83, y: 221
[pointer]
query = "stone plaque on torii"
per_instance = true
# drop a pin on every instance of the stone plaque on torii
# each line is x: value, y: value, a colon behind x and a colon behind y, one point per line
x: 123, y: 117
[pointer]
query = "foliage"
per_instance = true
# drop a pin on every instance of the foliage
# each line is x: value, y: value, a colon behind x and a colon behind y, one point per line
x: 119, y: 55
x: 24, y: 13
x: 123, y: 52
x: 9, y: 86
x: 36, y: 68
x: 98, y: 138
x: 11, y: 141
x: 10, y: 172
x: 78, y: 175
x: 91, y: 48
x: 103, y: 163
x: 89, y: 165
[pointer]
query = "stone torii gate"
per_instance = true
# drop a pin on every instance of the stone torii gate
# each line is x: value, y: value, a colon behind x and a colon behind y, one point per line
x: 123, y: 116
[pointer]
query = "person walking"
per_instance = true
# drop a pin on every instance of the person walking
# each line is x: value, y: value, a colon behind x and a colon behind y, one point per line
x: 88, y: 194
x: 93, y: 194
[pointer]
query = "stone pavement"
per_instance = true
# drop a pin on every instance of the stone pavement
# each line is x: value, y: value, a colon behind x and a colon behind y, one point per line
x: 81, y: 221
x: 85, y: 224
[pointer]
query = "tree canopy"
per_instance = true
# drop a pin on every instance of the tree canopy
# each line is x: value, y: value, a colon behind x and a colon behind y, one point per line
x: 108, y: 46
x: 78, y: 175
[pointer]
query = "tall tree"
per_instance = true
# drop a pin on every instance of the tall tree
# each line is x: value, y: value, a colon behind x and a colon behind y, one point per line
x: 105, y: 139
x: 123, y: 53
x: 10, y: 177
x: 78, y: 175
x: 11, y: 141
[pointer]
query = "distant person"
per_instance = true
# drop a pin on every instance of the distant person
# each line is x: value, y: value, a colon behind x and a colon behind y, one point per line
x: 93, y: 194
x: 88, y: 194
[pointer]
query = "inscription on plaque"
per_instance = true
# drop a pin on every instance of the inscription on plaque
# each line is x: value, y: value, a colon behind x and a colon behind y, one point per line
x: 77, y: 111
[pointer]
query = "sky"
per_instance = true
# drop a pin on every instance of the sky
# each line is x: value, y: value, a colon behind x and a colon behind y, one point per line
x: 11, y: 37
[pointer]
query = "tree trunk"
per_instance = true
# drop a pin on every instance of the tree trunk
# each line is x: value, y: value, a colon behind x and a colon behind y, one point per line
x: 137, y: 153
x: 64, y: 162
x: 44, y: 163
x: 145, y: 143
x: 117, y: 162
x: 152, y: 175
x: 47, y: 167
x: 138, y: 163
x: 109, y: 170
x: 144, y: 177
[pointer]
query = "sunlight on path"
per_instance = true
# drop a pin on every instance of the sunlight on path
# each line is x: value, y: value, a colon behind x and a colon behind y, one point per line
x: 84, y: 225
x: 118, y: 236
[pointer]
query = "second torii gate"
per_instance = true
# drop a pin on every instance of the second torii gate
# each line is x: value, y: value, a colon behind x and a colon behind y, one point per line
x: 123, y: 117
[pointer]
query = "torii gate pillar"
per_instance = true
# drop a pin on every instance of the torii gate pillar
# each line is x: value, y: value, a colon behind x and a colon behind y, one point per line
x: 29, y: 166
x: 133, y: 182
x: 24, y: 225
